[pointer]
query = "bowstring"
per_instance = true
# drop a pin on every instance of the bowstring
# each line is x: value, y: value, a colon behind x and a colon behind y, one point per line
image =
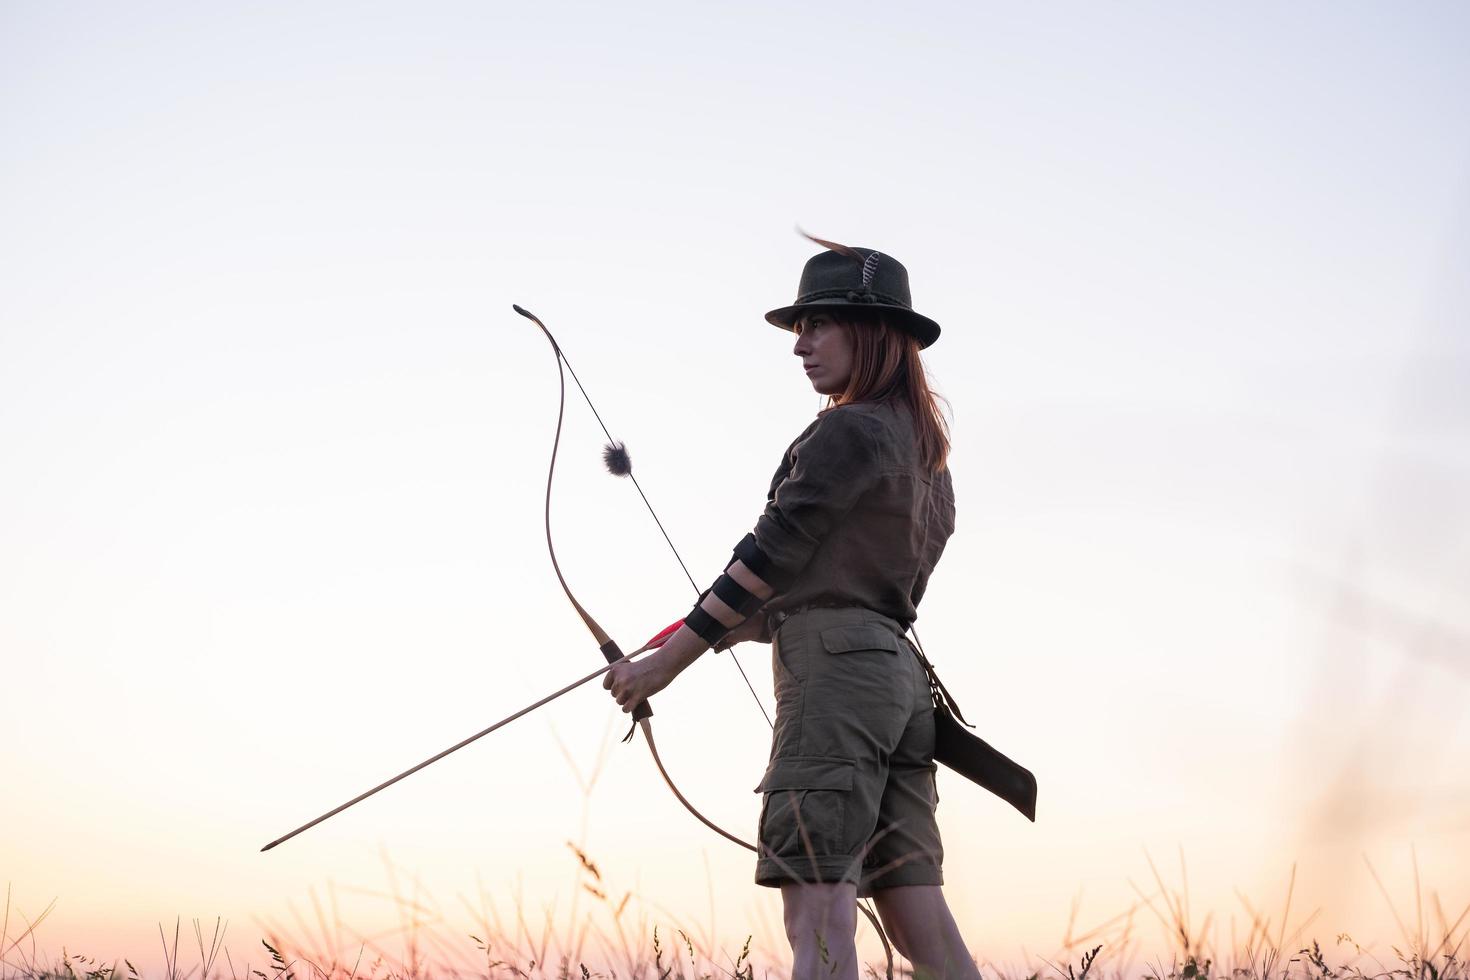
x: 667, y: 540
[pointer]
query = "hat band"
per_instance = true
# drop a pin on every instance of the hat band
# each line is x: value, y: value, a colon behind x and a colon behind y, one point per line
x: 852, y: 296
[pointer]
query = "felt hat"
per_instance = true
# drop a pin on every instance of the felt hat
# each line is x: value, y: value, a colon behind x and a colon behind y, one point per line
x: 860, y: 279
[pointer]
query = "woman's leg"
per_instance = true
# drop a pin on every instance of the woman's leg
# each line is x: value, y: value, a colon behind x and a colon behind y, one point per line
x: 821, y: 921
x: 918, y: 920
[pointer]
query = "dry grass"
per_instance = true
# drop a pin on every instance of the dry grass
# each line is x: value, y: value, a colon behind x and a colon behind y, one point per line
x: 610, y: 933
x: 1271, y: 949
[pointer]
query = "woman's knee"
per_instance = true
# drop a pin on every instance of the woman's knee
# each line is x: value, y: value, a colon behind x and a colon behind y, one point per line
x: 818, y: 909
x: 911, y: 915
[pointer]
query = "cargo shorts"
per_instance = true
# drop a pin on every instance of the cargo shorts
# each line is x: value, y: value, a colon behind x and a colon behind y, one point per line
x: 849, y: 795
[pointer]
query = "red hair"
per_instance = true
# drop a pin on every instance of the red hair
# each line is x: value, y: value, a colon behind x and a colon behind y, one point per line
x: 886, y: 365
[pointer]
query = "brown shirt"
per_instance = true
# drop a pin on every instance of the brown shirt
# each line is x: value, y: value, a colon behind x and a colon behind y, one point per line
x: 853, y: 516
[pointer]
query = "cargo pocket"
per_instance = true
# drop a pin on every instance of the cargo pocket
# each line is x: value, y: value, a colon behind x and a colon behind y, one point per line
x: 805, y: 807
x: 849, y: 639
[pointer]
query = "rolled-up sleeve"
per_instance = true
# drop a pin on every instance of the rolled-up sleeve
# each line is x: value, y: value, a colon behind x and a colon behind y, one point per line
x: 832, y: 466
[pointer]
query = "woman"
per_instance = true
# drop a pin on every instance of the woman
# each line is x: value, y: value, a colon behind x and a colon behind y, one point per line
x: 857, y: 516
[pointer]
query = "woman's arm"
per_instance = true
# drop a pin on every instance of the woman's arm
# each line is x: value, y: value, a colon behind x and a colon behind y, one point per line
x: 831, y: 466
x: 642, y: 679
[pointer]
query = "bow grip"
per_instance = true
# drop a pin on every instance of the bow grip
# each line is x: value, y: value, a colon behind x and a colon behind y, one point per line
x: 612, y: 654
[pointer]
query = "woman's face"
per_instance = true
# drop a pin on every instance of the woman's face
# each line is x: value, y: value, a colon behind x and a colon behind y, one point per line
x: 825, y: 349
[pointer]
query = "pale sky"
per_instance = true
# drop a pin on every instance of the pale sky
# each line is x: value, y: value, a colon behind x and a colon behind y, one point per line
x: 274, y: 442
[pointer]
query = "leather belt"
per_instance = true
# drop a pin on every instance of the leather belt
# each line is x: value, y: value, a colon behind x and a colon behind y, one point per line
x: 775, y: 618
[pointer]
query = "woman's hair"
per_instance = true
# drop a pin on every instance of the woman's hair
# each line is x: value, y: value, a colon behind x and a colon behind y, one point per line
x: 886, y: 365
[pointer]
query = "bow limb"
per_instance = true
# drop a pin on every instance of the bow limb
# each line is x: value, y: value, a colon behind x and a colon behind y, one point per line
x: 609, y: 647
x: 653, y: 750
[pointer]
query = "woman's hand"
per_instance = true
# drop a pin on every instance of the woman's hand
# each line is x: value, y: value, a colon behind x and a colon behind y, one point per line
x: 638, y: 680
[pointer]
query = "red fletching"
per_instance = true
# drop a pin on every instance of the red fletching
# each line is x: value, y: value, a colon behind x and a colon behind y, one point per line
x: 663, y: 635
